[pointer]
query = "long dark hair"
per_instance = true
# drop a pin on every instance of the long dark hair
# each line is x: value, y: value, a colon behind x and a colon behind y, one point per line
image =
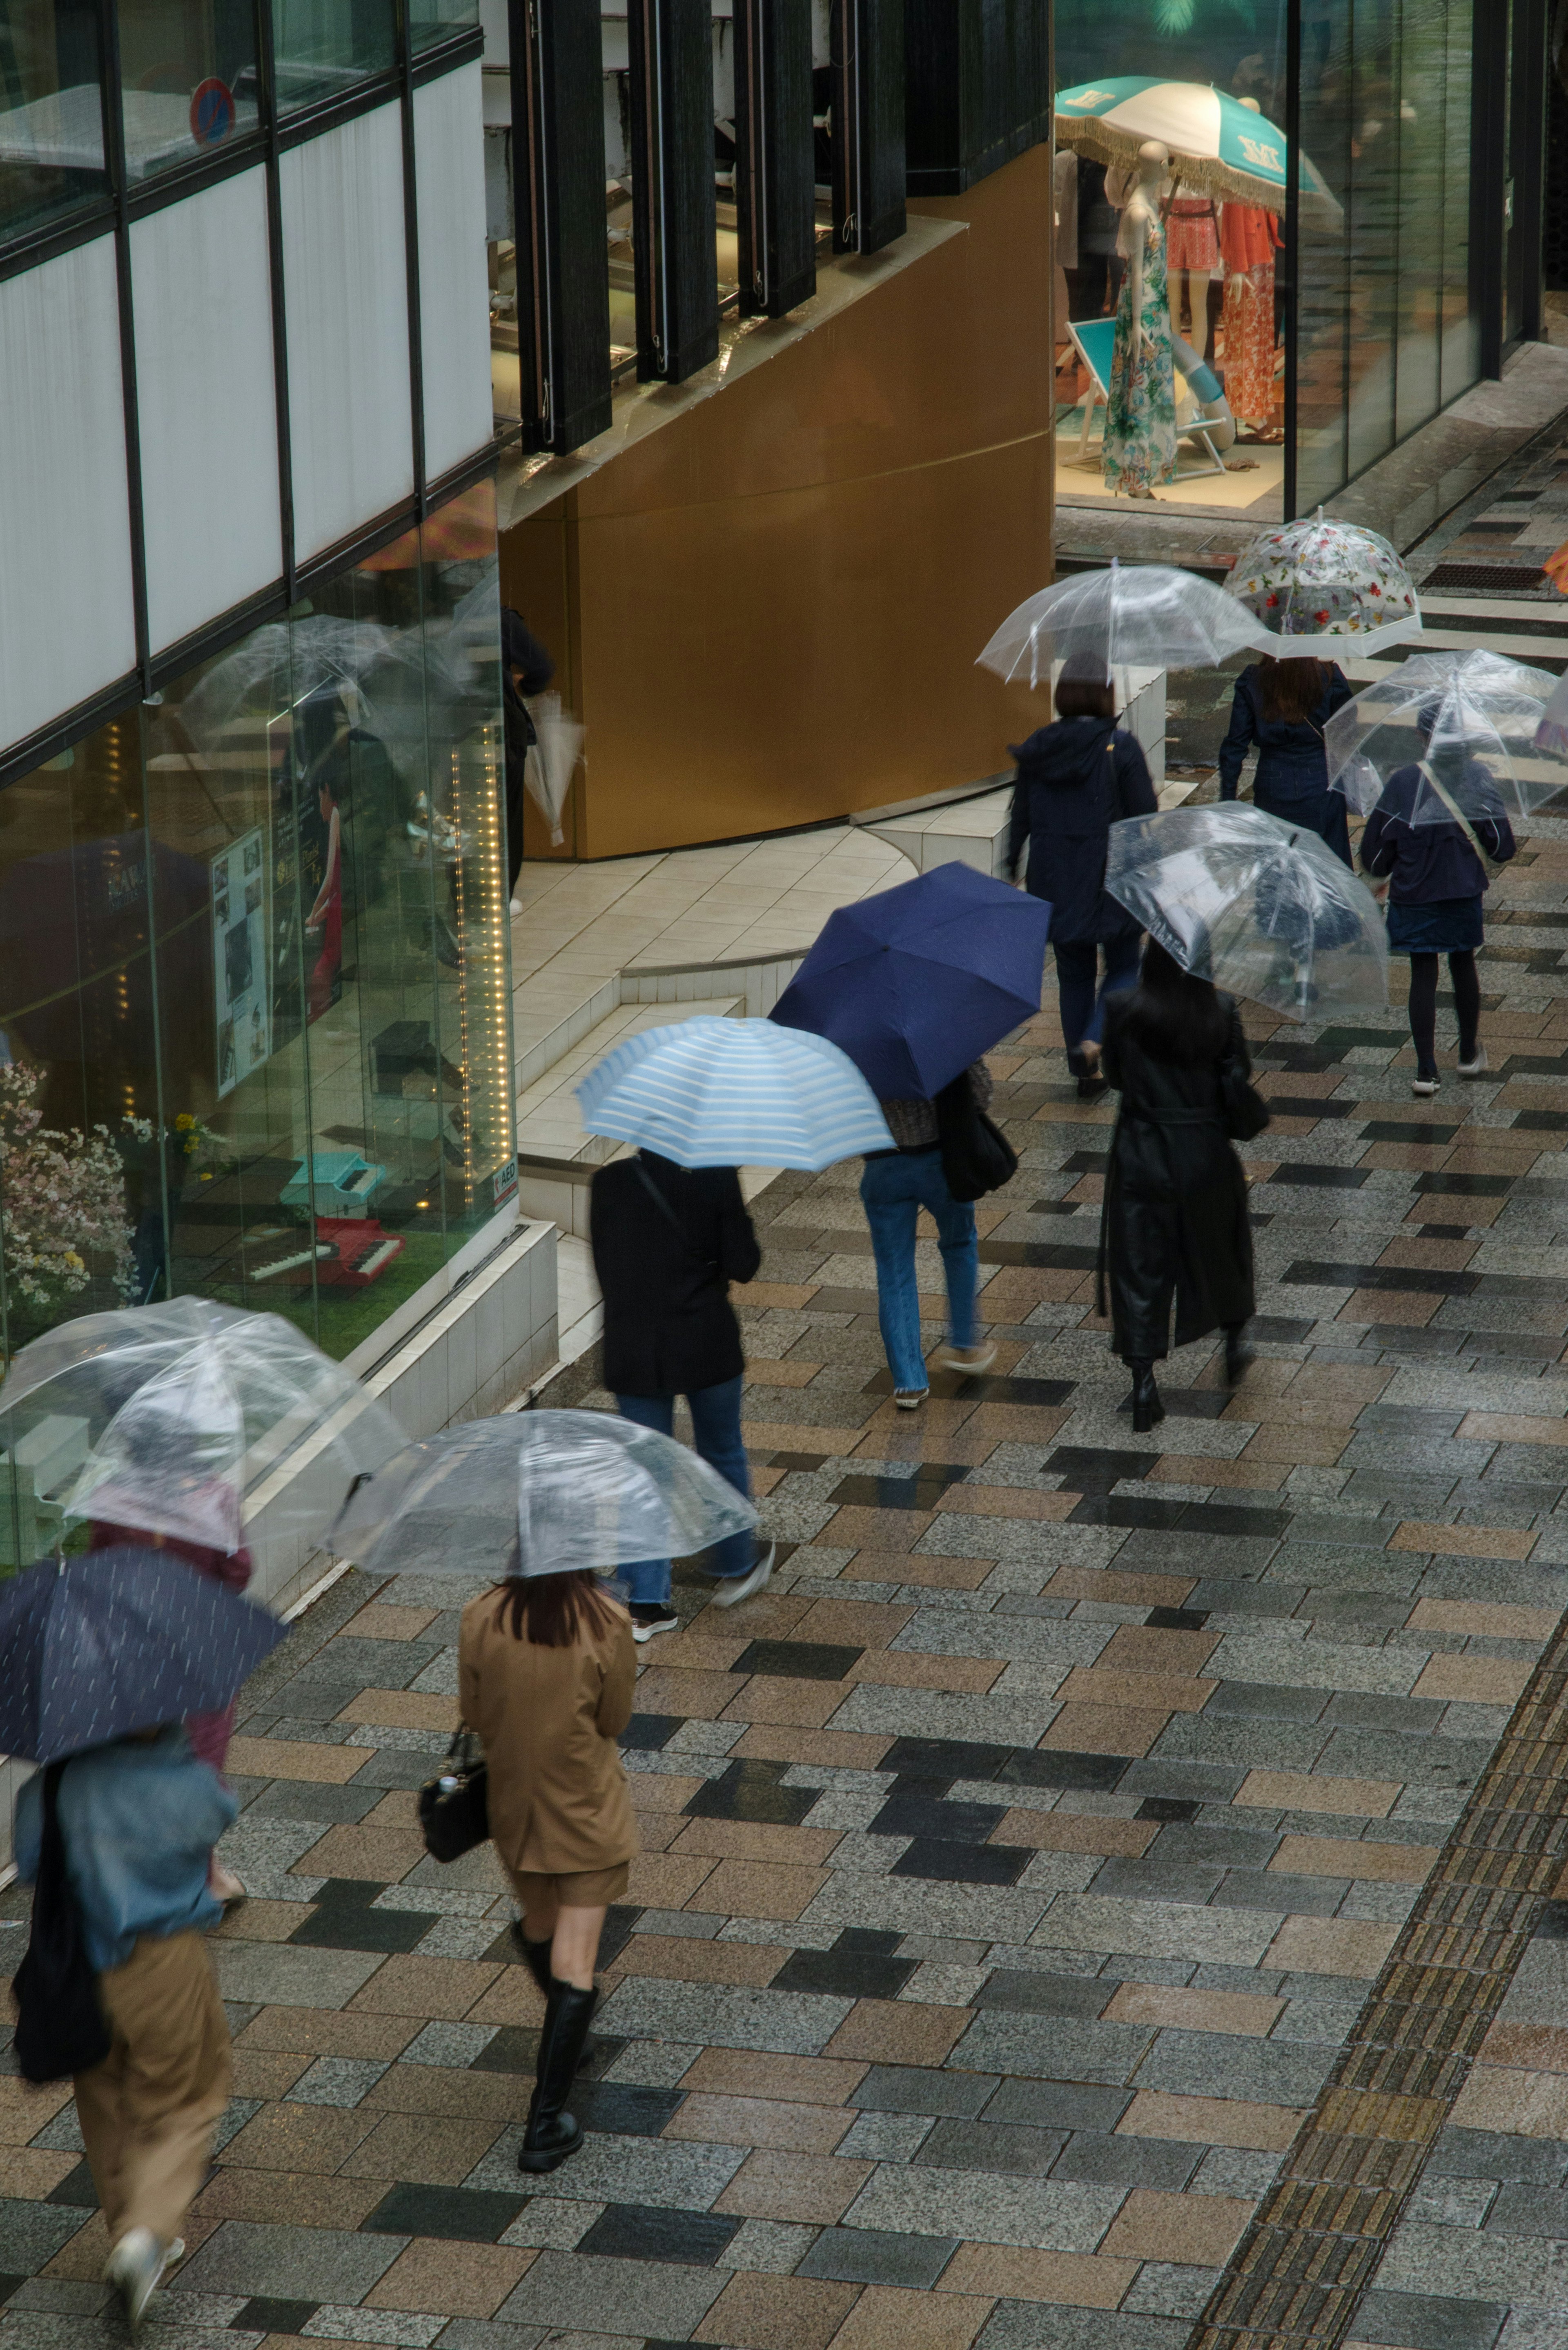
x: 1086, y: 697
x: 1290, y: 691
x: 553, y: 1611
x: 1172, y: 1015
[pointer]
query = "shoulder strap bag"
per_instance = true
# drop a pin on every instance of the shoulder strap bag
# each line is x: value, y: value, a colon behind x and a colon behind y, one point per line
x: 454, y: 1808
x: 60, y: 2025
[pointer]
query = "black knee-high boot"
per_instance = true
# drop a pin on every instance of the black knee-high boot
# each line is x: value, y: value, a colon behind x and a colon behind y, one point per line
x: 1147, y: 1408
x: 553, y: 2133
x: 535, y: 1955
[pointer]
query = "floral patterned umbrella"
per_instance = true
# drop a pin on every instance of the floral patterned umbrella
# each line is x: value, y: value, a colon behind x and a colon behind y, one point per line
x: 1330, y: 586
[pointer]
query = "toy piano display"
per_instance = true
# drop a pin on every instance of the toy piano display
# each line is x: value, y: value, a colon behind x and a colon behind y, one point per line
x: 350, y: 1249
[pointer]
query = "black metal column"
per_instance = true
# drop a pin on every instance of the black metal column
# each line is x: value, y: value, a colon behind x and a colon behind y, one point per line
x: 774, y: 156
x: 675, y: 265
x: 868, y: 189
x: 559, y: 212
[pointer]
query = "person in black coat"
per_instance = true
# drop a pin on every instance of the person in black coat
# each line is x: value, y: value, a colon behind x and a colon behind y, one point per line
x: 667, y: 1243
x: 1175, y: 1217
x: 1436, y: 884
x: 526, y: 668
x: 1075, y: 779
x: 1284, y: 706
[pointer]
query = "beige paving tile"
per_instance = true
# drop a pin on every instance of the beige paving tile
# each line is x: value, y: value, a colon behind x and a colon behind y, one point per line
x: 1513, y: 2102
x: 1078, y: 2280
x: 1474, y: 1680
x: 1314, y: 1791
x: 1463, y: 1542
x: 1209, y: 2121
x: 1195, y: 2229
x: 1389, y: 1864
x: 1169, y: 2004
x: 1332, y: 1946
x: 775, y: 2184
x: 792, y: 2129
x: 893, y: 2317
x: 1483, y: 1619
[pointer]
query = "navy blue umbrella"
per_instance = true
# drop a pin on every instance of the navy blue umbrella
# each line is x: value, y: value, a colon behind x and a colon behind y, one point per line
x: 917, y: 981
x: 94, y: 1646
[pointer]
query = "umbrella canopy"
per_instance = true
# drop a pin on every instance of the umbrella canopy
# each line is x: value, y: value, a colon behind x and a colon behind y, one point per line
x: 1330, y: 588
x: 1263, y: 908
x: 1471, y: 721
x: 917, y: 981
x: 538, y: 1493
x: 733, y: 1093
x: 119, y: 1639
x: 1145, y: 615
x: 1215, y: 141
x: 160, y: 1417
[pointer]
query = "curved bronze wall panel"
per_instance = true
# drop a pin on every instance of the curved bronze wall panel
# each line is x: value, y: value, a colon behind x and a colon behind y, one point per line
x: 767, y: 612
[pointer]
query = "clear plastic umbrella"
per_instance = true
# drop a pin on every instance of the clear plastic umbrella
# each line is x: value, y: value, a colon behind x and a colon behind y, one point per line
x: 551, y: 759
x: 1143, y: 616
x: 1263, y: 908
x: 167, y: 1416
x: 538, y: 1493
x: 1330, y: 588
x: 1471, y: 723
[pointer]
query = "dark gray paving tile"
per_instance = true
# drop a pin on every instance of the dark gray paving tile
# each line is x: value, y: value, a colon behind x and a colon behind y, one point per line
x: 1051, y: 2048
x: 1029, y: 1992
x: 1413, y: 1716
x: 1427, y: 2322
x: 644, y: 2231
x: 644, y: 2299
x: 991, y: 2145
x: 1107, y: 2160
x: 311, y: 1799
x: 1258, y: 1888
x: 1058, y: 2105
x: 319, y: 2264
x: 912, y: 2089
x: 1258, y: 1700
x: 1240, y: 1741
x: 1156, y: 1880
x: 878, y: 2256
x: 1221, y: 1841
x: 1418, y: 1762
x: 1212, y: 2064
x: 1485, y: 2154
x: 1046, y: 2326
x: 32, y: 2233
x: 1521, y: 2210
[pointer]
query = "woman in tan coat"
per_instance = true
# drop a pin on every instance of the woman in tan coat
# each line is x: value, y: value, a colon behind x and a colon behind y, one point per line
x: 545, y: 1673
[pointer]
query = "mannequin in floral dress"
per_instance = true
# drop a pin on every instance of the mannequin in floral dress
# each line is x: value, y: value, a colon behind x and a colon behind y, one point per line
x: 1249, y: 239
x: 1139, y: 445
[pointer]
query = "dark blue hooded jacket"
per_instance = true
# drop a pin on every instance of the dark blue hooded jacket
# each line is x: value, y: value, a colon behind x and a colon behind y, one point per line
x: 1075, y: 779
x: 1431, y: 861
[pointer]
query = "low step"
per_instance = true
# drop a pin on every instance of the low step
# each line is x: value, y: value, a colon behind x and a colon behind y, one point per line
x: 548, y: 1125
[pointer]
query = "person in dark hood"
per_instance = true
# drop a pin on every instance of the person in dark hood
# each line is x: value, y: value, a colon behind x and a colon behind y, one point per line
x: 527, y: 669
x: 1175, y: 1222
x: 1284, y: 706
x: 1075, y: 779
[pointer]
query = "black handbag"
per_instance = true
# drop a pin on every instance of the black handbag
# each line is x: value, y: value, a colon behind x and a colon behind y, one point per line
x: 977, y: 1157
x: 60, y: 2025
x: 454, y: 1809
x: 1245, y: 1111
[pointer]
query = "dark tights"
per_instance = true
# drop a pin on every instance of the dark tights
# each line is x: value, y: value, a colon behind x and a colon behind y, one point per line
x: 1424, y: 1004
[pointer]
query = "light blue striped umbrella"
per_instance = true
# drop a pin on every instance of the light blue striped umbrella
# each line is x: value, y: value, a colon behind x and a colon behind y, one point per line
x: 734, y: 1093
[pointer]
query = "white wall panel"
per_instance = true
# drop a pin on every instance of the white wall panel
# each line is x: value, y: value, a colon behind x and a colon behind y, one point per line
x: 66, y: 628
x: 346, y: 303
x: 206, y: 405
x: 454, y: 284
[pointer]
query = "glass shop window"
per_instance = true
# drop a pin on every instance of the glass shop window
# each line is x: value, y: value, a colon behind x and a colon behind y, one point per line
x: 323, y: 48
x: 51, y: 112
x: 188, y: 72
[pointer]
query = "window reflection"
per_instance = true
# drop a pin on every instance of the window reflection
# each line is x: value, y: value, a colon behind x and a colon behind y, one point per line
x: 437, y: 20
x: 188, y: 70
x: 253, y: 966
x: 324, y: 48
x: 51, y: 111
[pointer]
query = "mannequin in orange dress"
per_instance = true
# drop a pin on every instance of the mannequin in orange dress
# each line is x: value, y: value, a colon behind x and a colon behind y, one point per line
x: 1249, y: 239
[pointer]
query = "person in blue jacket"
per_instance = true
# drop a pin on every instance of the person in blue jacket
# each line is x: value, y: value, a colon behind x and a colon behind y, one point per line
x: 1284, y: 706
x: 1435, y: 884
x: 1075, y: 779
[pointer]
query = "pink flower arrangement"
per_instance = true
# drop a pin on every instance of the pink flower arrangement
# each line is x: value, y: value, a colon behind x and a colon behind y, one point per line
x: 62, y: 1201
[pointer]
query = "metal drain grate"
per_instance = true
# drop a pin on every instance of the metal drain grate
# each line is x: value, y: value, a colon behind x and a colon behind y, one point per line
x: 1496, y: 575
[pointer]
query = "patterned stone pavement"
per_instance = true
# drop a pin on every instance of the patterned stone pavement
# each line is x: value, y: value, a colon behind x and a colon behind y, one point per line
x: 1014, y: 1870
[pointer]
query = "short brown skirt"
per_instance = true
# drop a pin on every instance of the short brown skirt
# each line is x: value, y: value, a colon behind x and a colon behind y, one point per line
x: 581, y: 1888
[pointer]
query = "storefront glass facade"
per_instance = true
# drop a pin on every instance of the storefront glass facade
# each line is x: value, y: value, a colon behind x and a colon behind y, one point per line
x: 253, y: 965
x: 1385, y: 327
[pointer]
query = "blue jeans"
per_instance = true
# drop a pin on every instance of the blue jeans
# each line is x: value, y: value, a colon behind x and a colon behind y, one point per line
x: 716, y: 1432
x: 1082, y: 1016
x: 893, y: 1190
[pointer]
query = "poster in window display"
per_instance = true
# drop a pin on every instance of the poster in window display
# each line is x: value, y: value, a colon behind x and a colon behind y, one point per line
x: 240, y: 959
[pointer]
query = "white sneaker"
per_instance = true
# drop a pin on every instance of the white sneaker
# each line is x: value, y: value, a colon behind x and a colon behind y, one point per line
x: 969, y: 1361
x: 730, y: 1589
x: 1423, y: 1085
x: 1473, y: 1068
x: 910, y: 1399
x: 135, y: 2269
x: 516, y: 906
x: 647, y: 1623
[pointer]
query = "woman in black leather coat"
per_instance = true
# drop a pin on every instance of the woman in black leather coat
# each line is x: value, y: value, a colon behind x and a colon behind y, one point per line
x: 1175, y: 1218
